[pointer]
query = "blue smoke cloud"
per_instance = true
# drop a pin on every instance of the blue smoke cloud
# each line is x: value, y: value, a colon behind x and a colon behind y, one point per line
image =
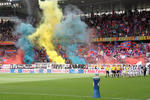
x: 23, y: 43
x: 70, y: 33
x: 73, y: 55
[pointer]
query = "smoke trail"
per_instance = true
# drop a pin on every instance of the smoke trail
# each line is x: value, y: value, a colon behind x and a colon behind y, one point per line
x: 23, y: 43
x: 73, y: 55
x: 52, y: 15
x: 71, y: 33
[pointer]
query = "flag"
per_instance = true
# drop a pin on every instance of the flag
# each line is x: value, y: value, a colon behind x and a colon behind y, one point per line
x: 92, y: 53
x: 134, y: 44
x: 47, y: 58
x: 10, y: 51
x: 125, y: 45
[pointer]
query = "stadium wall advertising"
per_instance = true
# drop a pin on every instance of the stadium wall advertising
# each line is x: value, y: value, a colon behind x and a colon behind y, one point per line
x: 133, y: 38
x: 43, y: 69
x: 7, y: 43
x: 69, y: 71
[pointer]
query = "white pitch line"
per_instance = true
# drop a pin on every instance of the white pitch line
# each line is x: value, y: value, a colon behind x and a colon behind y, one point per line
x: 65, y: 95
x: 43, y: 94
x: 28, y: 79
x: 120, y: 98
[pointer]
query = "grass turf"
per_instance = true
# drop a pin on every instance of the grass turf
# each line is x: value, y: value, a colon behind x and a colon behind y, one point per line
x: 71, y: 87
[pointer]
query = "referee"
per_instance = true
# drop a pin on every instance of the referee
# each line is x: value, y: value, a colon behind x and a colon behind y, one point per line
x: 144, y: 69
x: 107, y: 71
x: 118, y: 71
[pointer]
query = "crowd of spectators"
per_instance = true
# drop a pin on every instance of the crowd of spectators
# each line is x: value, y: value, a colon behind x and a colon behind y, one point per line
x: 7, y: 51
x: 41, y: 55
x: 106, y: 52
x: 120, y: 25
x: 93, y: 53
x: 6, y: 29
x: 112, y: 25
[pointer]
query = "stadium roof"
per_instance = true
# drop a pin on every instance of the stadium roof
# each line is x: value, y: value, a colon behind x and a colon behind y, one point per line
x: 107, y: 5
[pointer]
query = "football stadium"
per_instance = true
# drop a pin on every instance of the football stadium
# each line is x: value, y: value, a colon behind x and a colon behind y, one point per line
x: 74, y: 49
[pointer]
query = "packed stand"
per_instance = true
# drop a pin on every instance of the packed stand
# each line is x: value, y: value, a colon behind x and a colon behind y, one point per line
x: 121, y: 25
x: 108, y: 53
x: 6, y: 29
x: 104, y: 53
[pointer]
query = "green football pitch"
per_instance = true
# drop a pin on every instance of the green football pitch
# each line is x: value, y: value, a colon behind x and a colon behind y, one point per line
x: 71, y: 87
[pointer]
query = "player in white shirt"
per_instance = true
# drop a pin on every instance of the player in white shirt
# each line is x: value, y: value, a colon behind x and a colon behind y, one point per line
x: 136, y: 71
x: 130, y: 71
x: 148, y: 70
x: 123, y: 73
x: 141, y: 70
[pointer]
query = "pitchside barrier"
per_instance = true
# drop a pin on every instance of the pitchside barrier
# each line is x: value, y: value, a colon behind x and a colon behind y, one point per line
x: 57, y: 68
x: 50, y: 68
x: 71, y: 71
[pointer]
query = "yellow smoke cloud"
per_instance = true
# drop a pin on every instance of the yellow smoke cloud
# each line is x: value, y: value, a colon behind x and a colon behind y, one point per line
x: 52, y: 15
